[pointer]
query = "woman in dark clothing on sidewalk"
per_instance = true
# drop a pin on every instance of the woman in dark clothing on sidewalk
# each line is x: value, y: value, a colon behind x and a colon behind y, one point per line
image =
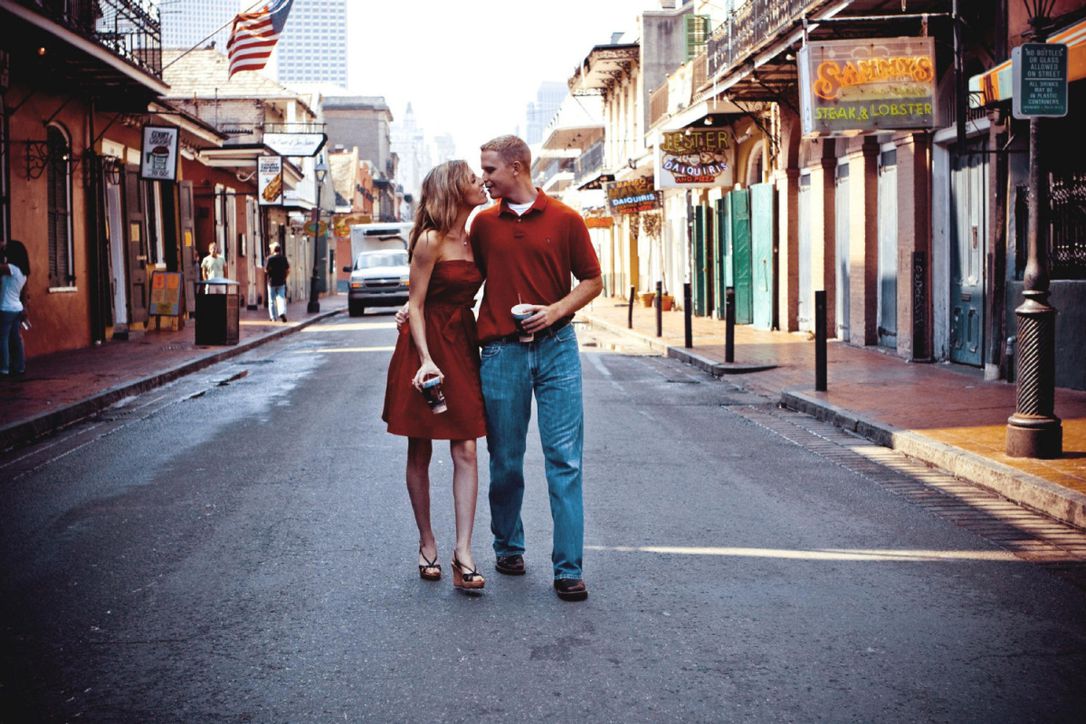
x: 14, y: 271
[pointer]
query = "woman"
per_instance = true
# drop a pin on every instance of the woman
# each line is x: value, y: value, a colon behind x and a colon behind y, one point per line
x: 14, y: 271
x: 439, y: 341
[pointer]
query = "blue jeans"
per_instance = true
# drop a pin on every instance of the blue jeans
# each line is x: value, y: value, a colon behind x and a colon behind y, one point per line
x: 511, y: 372
x: 275, y: 295
x: 12, y: 357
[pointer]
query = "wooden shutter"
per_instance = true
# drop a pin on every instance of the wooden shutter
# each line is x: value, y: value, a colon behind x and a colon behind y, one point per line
x: 135, y: 238
x: 190, y: 255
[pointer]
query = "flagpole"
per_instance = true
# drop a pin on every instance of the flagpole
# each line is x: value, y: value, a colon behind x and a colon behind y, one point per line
x: 216, y: 32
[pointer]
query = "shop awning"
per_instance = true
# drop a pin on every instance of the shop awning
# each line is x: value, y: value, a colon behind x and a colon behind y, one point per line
x: 996, y: 84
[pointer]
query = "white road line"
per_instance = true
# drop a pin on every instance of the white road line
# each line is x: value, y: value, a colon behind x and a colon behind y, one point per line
x: 598, y: 364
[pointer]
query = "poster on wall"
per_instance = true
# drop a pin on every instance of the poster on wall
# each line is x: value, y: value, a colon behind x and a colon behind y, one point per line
x: 158, y: 154
x: 633, y: 196
x: 269, y: 174
x: 695, y: 158
x: 853, y: 87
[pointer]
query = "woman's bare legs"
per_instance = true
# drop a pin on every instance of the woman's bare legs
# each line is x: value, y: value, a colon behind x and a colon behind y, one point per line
x: 465, y: 493
x: 419, y: 451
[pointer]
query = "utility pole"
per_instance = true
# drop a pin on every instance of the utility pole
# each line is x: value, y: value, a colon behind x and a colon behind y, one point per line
x: 1033, y: 430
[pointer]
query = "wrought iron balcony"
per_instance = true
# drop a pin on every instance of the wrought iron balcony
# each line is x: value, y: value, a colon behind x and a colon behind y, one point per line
x: 755, y: 23
x: 129, y: 28
x: 589, y: 164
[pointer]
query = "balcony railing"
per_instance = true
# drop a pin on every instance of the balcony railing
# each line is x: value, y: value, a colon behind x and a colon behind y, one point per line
x: 658, y: 103
x: 589, y: 164
x: 752, y: 25
x: 699, y: 68
x: 129, y: 28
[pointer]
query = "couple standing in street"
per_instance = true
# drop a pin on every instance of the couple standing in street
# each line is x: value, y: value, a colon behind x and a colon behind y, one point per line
x: 525, y: 248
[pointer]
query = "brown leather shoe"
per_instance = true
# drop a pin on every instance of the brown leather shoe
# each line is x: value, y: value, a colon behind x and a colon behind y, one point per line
x: 571, y: 589
x: 510, y: 565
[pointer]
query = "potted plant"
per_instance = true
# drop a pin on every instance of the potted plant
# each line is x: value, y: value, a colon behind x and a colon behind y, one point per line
x: 647, y: 298
x: 667, y: 302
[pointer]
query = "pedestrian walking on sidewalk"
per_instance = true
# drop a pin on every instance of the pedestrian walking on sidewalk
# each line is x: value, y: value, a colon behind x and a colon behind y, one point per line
x: 277, y: 269
x: 440, y: 343
x: 527, y: 247
x: 14, y: 272
x: 213, y: 267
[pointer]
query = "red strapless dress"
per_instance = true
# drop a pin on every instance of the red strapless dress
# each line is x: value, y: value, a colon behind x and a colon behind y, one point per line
x: 454, y: 347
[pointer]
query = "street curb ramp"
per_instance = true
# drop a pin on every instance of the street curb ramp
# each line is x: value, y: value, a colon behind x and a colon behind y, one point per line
x: 24, y: 432
x: 1063, y: 504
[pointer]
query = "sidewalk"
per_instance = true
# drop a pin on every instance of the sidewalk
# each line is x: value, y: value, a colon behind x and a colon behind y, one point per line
x: 60, y: 388
x: 943, y: 414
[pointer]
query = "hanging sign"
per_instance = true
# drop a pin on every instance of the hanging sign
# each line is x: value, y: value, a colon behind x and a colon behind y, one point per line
x: 1039, y: 78
x: 632, y: 197
x: 269, y: 174
x: 852, y: 87
x: 342, y: 223
x: 313, y: 228
x: 295, y: 144
x: 158, y: 153
x: 694, y: 158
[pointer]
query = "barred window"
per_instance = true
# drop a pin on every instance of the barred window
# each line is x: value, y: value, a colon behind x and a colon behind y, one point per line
x: 59, y: 179
x: 1067, y: 224
x: 1065, y: 230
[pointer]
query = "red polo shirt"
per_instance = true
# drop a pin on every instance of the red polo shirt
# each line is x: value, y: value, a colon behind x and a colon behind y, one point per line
x: 528, y: 259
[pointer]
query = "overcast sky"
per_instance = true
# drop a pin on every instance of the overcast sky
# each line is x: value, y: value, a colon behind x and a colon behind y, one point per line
x: 471, y: 68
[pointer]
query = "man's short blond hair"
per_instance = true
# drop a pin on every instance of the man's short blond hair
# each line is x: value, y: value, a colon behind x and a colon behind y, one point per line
x: 510, y: 148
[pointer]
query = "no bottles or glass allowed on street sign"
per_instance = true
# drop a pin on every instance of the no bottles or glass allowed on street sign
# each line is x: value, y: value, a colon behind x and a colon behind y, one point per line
x: 1039, y: 71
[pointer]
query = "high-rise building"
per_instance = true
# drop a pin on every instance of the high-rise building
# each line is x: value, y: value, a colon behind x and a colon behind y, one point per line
x: 409, y: 143
x: 444, y: 148
x: 539, y: 114
x: 313, y: 47
x: 186, y: 23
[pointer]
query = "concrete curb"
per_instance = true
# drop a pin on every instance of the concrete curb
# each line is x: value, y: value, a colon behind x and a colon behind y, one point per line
x: 1055, y: 501
x: 26, y: 431
x: 717, y: 369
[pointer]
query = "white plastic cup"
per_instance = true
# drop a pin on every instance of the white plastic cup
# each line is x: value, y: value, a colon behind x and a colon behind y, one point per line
x: 520, y: 313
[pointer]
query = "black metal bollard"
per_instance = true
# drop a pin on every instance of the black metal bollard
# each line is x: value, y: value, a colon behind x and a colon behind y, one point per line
x: 729, y: 324
x: 820, y: 341
x: 659, y: 309
x: 629, y: 308
x: 688, y: 323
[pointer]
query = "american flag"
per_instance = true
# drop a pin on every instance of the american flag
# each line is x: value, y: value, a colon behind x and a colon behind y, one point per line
x: 254, y: 35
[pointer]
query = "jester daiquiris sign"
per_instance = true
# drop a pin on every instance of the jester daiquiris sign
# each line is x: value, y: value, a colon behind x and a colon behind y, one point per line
x: 694, y: 158
x: 851, y: 87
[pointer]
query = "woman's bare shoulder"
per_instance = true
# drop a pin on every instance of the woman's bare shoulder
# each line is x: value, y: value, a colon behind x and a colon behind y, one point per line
x: 428, y: 246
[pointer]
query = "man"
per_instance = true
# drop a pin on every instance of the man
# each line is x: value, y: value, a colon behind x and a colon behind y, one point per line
x: 527, y: 247
x: 277, y: 269
x: 214, y: 265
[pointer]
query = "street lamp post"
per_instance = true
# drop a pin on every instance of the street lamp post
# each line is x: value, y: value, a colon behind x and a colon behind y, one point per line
x: 320, y: 171
x: 1033, y: 430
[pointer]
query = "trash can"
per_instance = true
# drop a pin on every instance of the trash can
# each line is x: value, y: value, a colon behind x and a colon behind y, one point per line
x: 218, y: 311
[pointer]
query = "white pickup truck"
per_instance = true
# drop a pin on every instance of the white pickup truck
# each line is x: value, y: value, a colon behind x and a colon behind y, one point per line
x: 379, y: 275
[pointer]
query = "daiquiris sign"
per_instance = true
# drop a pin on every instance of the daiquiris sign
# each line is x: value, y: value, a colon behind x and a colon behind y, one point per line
x: 632, y: 197
x: 694, y: 158
x: 850, y: 87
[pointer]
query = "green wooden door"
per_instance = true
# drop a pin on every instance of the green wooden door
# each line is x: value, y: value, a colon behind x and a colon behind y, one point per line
x: 741, y: 256
x: 721, y: 260
x: 762, y: 228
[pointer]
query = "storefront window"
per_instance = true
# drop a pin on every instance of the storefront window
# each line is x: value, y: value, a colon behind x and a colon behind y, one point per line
x: 59, y: 179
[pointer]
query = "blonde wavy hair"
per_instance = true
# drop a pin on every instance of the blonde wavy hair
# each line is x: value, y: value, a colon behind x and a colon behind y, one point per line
x: 440, y: 200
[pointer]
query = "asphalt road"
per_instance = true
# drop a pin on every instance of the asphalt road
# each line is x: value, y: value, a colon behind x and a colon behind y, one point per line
x: 239, y: 546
